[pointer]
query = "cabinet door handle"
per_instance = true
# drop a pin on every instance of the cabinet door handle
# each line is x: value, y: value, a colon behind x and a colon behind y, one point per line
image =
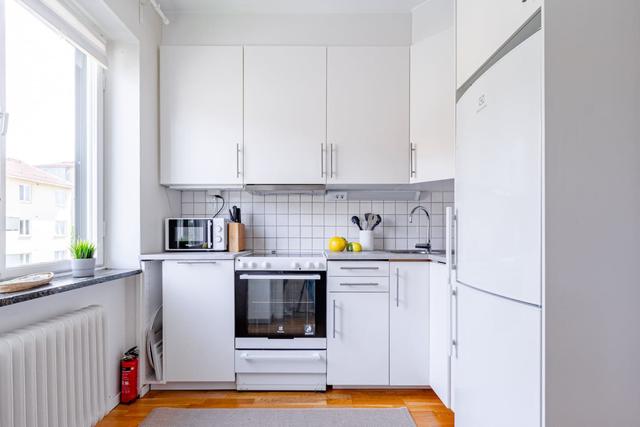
x: 331, y: 162
x: 397, y: 287
x: 4, y: 118
x: 237, y: 160
x: 359, y: 284
x: 197, y: 262
x: 334, y: 318
x: 359, y: 268
x: 412, y: 160
x: 322, y: 156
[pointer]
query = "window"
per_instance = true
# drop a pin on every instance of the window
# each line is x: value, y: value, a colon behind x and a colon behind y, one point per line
x: 24, y: 193
x: 15, y: 260
x: 61, y: 198
x: 61, y: 228
x: 51, y: 85
x: 25, y: 227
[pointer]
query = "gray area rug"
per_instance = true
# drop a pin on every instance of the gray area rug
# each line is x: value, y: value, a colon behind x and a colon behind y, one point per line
x: 316, y: 417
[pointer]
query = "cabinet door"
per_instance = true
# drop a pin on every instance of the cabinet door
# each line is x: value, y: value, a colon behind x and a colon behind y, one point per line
x: 368, y: 115
x: 498, y: 378
x: 285, y: 114
x: 433, y: 107
x: 440, y: 331
x: 198, y: 324
x: 483, y: 26
x: 409, y: 324
x: 200, y: 115
x: 358, y: 339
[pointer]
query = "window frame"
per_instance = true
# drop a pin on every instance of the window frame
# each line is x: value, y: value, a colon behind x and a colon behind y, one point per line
x: 26, y: 187
x: 93, y: 128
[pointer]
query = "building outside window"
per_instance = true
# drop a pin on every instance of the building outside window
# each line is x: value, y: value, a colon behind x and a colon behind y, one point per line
x: 53, y: 91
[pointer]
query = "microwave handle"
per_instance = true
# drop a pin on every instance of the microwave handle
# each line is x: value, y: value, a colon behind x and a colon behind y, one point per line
x: 209, y: 234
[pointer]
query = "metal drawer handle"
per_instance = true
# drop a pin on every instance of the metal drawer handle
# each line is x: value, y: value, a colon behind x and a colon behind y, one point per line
x: 359, y: 268
x: 397, y: 287
x: 197, y: 262
x: 359, y: 284
x: 247, y: 356
x: 334, y: 318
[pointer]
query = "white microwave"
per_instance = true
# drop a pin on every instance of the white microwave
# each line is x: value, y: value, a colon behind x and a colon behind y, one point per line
x: 196, y: 234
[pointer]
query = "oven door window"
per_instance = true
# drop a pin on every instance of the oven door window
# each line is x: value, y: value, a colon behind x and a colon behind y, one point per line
x: 281, y: 306
x: 189, y: 234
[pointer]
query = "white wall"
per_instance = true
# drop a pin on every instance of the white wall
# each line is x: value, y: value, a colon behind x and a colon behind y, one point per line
x: 118, y: 299
x: 318, y: 29
x: 592, y: 213
x: 431, y: 18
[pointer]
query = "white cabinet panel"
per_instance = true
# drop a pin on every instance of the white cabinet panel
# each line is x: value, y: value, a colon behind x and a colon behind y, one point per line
x: 498, y: 378
x: 409, y: 324
x: 285, y: 114
x: 483, y: 26
x: 433, y: 107
x: 200, y: 115
x: 358, y: 339
x: 198, y: 310
x: 368, y: 115
x: 440, y: 331
x: 499, y: 177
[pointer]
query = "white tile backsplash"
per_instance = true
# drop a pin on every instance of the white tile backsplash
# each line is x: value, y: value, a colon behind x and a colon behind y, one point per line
x: 304, y: 222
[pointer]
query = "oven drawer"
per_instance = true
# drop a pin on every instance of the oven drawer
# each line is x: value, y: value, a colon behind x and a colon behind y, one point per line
x: 358, y: 284
x: 281, y: 361
x: 359, y: 268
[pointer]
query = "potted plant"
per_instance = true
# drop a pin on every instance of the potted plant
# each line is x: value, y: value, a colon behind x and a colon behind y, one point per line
x: 83, y: 264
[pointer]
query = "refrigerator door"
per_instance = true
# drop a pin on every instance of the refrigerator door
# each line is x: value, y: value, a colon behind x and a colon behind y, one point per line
x: 498, y: 177
x: 498, y: 381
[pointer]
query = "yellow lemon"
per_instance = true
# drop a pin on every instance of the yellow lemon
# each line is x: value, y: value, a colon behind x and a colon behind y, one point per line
x: 356, y: 247
x: 337, y: 244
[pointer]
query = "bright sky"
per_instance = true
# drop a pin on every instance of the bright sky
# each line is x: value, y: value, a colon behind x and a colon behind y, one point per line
x: 40, y: 84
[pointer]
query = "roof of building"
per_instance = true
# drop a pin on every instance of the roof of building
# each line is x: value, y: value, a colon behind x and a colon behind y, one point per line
x: 20, y: 170
x: 65, y: 165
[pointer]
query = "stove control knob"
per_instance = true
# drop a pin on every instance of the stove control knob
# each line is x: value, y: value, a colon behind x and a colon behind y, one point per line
x: 265, y: 265
x: 243, y: 265
x: 219, y: 228
x: 295, y: 265
x: 253, y: 265
x: 320, y: 266
x: 311, y: 265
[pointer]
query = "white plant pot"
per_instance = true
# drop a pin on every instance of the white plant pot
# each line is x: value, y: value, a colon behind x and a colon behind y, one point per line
x: 83, y: 267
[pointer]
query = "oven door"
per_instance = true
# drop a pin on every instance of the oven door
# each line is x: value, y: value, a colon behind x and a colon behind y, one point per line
x: 186, y: 234
x: 280, y: 305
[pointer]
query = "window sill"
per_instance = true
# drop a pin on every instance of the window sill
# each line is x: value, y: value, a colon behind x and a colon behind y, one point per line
x: 65, y: 283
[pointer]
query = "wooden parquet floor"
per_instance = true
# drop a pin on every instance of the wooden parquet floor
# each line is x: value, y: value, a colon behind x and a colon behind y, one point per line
x: 425, y: 407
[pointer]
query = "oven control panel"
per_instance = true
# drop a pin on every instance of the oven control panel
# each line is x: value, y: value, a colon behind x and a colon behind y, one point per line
x: 257, y: 263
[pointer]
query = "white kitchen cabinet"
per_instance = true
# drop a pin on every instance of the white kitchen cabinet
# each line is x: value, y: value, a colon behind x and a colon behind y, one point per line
x: 198, y: 310
x: 200, y: 115
x: 285, y: 114
x: 484, y: 26
x: 433, y: 107
x: 358, y: 339
x: 368, y: 115
x: 498, y: 361
x: 440, y: 331
x: 409, y: 324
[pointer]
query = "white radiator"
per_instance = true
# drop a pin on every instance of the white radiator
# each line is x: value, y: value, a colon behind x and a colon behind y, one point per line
x: 52, y: 374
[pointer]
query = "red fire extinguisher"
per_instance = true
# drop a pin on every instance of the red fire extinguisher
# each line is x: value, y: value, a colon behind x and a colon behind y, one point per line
x: 129, y: 376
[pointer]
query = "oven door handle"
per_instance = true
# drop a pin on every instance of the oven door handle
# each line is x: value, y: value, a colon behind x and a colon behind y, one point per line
x: 279, y: 277
x: 313, y: 356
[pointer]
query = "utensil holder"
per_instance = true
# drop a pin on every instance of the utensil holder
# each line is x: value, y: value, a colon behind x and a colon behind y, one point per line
x: 236, y: 237
x: 366, y: 240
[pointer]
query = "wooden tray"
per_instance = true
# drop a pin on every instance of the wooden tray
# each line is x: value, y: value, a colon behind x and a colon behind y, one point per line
x: 25, y: 282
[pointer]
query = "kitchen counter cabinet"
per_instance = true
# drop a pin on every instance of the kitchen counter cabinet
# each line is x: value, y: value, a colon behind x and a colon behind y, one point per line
x: 198, y: 311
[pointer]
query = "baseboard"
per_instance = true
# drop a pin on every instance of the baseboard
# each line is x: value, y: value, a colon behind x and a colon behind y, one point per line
x: 194, y: 386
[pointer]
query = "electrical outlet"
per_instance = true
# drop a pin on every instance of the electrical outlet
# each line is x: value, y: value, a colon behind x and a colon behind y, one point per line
x: 336, y: 196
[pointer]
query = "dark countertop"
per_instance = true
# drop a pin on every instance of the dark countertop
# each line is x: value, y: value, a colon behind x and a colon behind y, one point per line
x: 65, y: 283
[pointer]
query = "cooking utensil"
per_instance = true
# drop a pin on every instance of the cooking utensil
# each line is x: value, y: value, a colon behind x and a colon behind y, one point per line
x: 234, y: 214
x: 376, y: 221
x: 356, y: 221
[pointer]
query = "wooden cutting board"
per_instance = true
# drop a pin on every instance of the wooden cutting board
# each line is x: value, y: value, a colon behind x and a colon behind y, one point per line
x: 24, y: 283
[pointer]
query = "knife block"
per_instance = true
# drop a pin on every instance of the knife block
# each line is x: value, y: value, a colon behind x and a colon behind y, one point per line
x: 236, y: 237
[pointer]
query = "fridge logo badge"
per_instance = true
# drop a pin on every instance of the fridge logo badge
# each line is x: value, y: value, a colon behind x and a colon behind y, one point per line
x: 309, y: 329
x: 280, y: 329
x: 482, y: 103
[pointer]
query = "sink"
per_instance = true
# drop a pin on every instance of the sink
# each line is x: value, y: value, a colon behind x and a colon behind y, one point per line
x: 417, y: 252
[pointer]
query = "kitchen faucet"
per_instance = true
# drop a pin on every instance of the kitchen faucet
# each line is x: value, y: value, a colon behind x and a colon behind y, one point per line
x: 419, y: 245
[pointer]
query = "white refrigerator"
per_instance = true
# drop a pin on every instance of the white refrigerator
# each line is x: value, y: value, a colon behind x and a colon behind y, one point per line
x: 497, y: 310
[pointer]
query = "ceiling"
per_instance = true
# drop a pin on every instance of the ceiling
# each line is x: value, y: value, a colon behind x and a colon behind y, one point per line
x: 290, y: 6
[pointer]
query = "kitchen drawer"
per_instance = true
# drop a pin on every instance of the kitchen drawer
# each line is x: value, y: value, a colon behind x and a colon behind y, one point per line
x: 358, y: 268
x: 281, y: 361
x: 358, y: 284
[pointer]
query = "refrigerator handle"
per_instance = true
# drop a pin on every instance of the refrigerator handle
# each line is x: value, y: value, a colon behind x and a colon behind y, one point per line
x: 453, y: 329
x: 455, y: 226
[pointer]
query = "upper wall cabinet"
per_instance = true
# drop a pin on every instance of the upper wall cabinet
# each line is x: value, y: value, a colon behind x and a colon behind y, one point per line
x: 368, y: 115
x: 201, y: 115
x: 483, y: 26
x: 433, y: 108
x: 285, y: 114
